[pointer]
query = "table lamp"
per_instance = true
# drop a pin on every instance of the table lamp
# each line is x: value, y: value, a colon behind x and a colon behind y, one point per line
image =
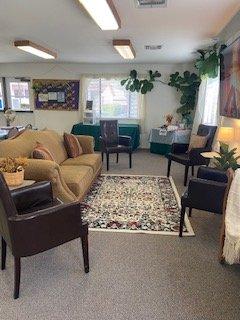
x: 226, y: 134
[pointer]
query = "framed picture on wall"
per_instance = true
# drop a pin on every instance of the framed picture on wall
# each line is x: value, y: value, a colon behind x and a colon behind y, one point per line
x: 61, y: 94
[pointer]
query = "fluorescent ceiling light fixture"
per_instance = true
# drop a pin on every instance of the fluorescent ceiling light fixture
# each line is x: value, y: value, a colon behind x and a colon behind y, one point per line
x: 103, y: 13
x: 35, y: 49
x: 124, y: 48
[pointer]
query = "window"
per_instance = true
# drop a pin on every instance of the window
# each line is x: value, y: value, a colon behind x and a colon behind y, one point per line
x: 19, y: 96
x: 1, y: 96
x: 111, y: 100
x: 210, y: 113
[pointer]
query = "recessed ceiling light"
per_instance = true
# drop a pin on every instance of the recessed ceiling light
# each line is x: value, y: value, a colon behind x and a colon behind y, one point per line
x: 35, y: 49
x: 124, y: 48
x: 103, y: 13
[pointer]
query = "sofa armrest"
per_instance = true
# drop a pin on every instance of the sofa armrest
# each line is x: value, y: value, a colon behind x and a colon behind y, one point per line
x: 45, y: 170
x: 87, y: 143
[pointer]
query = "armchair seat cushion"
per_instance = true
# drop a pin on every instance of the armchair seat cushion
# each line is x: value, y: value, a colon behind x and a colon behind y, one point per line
x: 77, y: 178
x: 119, y: 149
x: 92, y: 160
x: 182, y: 158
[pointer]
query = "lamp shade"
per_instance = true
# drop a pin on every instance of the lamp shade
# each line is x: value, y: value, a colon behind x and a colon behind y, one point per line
x: 226, y: 134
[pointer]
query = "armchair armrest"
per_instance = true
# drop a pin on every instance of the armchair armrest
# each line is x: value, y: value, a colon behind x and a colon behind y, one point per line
x: 47, y: 228
x: 87, y: 143
x: 206, y: 194
x: 214, y: 174
x: 32, y: 196
x: 179, y: 148
x: 125, y: 140
x: 195, y: 154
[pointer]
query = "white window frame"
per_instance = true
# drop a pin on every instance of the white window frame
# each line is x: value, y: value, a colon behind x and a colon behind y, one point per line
x: 2, y: 96
x: 9, y: 97
x: 129, y: 101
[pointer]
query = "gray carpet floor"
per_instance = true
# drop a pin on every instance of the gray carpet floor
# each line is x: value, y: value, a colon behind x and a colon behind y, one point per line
x: 132, y: 276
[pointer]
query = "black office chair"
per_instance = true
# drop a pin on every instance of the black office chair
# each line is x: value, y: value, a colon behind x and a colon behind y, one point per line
x: 193, y: 158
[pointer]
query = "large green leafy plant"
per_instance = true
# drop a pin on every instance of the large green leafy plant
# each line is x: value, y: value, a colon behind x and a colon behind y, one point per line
x: 226, y: 158
x: 133, y: 83
x: 209, y: 61
x: 188, y: 85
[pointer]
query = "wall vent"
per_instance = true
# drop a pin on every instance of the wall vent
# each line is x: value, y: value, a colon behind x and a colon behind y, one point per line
x: 151, y: 3
x: 153, y: 47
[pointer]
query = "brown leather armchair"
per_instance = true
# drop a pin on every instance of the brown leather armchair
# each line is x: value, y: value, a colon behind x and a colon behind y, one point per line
x: 193, y: 158
x: 112, y: 142
x: 32, y: 221
x: 206, y: 192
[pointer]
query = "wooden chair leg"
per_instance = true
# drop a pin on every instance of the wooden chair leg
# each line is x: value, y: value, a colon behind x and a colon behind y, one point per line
x: 117, y: 157
x: 181, y: 221
x: 186, y: 175
x: 4, y: 254
x: 169, y: 167
x: 84, y: 240
x: 17, y: 276
x: 107, y: 155
x: 130, y: 160
x: 192, y: 170
x: 102, y: 156
x: 190, y: 212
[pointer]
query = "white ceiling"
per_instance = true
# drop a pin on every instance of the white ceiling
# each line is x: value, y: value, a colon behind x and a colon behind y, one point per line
x: 62, y: 25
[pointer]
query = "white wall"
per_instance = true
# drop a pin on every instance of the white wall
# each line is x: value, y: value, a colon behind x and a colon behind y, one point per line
x: 228, y: 35
x: 162, y: 100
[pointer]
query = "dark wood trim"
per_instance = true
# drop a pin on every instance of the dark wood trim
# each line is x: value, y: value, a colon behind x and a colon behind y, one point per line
x: 124, y: 42
x: 24, y: 43
x: 5, y: 94
x: 115, y: 13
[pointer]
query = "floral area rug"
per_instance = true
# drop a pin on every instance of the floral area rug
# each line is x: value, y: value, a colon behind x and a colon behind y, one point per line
x: 142, y: 204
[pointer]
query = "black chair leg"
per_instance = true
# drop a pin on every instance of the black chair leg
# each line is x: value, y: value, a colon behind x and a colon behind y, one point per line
x: 190, y: 212
x: 84, y: 240
x: 4, y: 253
x: 117, y: 157
x: 181, y: 221
x: 192, y: 170
x: 130, y: 160
x: 102, y: 156
x: 107, y: 155
x: 186, y: 175
x: 17, y: 275
x: 169, y: 167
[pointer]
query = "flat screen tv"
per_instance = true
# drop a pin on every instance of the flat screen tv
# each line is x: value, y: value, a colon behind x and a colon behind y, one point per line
x: 230, y: 81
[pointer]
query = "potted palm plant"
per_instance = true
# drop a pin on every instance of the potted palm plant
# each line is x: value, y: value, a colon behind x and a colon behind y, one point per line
x: 226, y: 158
x: 13, y: 170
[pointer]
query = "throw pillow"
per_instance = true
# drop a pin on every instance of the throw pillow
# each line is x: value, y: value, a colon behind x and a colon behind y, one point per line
x: 197, y: 142
x: 72, y: 145
x: 41, y: 152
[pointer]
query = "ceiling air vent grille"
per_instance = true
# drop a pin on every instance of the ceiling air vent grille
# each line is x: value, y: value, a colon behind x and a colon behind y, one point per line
x: 151, y: 3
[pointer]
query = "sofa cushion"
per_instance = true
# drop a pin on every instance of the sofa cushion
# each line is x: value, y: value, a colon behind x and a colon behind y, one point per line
x: 77, y: 178
x: 41, y: 152
x: 92, y: 160
x: 72, y: 145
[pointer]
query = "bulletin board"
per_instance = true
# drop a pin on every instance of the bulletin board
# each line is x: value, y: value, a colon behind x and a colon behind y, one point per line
x: 56, y: 94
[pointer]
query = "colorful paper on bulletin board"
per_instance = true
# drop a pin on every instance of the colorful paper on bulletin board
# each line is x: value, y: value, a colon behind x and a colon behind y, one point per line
x: 56, y: 94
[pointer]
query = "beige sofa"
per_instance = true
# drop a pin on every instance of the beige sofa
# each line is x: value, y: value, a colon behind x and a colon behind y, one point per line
x: 71, y: 177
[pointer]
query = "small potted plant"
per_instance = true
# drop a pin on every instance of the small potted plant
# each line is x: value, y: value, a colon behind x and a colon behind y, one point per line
x: 226, y: 158
x: 13, y: 170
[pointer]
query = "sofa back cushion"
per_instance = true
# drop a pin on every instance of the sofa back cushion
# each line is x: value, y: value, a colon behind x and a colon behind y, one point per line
x: 41, y: 152
x: 26, y: 142
x: 72, y: 145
